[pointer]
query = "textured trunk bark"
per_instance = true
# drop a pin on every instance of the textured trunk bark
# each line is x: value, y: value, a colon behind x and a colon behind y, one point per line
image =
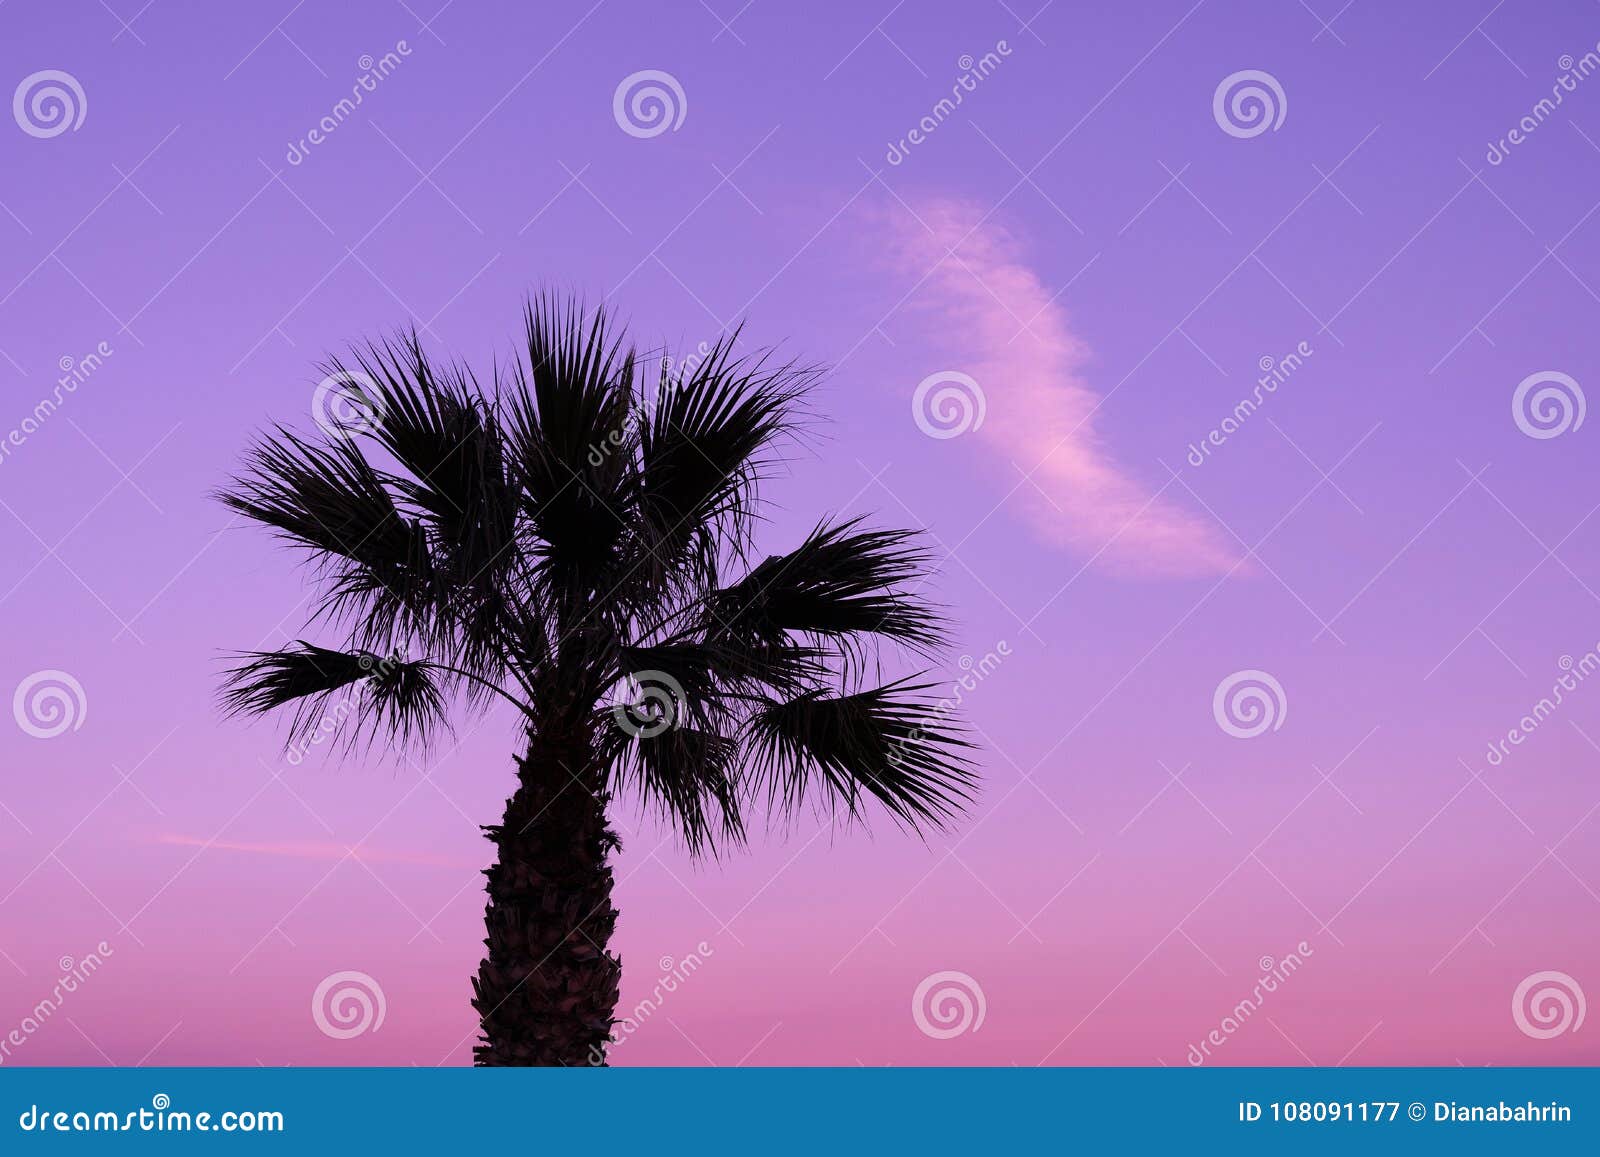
x: 547, y: 989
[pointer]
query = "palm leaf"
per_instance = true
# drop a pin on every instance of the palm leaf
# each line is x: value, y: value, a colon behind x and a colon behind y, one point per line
x: 883, y: 743
x: 568, y: 418
x: 329, y: 501
x: 384, y: 694
x: 706, y: 444
x: 689, y: 776
x: 437, y: 426
x: 839, y: 584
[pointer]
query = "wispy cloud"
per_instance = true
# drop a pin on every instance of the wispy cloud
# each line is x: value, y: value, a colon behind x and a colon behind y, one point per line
x: 326, y: 851
x: 996, y: 321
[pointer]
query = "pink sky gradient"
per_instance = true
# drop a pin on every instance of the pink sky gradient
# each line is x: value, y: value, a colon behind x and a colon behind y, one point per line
x: 1411, y: 567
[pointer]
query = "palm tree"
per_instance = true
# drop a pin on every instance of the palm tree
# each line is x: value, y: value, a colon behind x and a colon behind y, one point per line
x: 562, y: 541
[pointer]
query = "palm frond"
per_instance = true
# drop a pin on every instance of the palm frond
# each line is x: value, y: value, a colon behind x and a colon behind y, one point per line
x: 884, y: 743
x: 437, y: 425
x: 685, y: 670
x: 840, y: 584
x: 442, y: 432
x: 709, y: 437
x: 570, y: 431
x: 330, y: 501
x: 386, y: 695
x: 689, y: 776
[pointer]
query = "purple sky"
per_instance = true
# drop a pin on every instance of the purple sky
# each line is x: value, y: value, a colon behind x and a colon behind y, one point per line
x: 1108, y: 266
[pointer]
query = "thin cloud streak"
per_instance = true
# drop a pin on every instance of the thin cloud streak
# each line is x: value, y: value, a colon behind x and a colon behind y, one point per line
x: 325, y: 851
x: 1001, y: 325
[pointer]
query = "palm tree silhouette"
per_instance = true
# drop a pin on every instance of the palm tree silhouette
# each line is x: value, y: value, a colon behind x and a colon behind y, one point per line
x: 562, y: 541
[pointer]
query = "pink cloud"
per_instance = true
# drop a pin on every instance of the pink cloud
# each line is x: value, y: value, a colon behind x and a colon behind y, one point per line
x: 998, y: 323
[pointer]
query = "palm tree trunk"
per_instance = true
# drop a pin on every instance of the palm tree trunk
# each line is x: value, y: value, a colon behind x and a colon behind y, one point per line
x: 546, y: 991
